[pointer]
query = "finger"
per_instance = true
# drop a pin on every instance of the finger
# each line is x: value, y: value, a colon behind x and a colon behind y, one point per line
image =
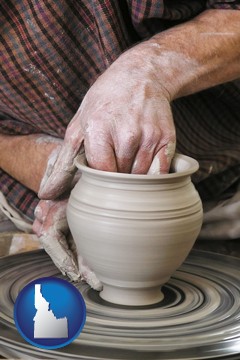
x: 52, y: 228
x: 142, y: 160
x: 100, y: 154
x: 150, y: 141
x: 126, y: 148
x: 42, y: 209
x: 54, y: 243
x: 61, y: 169
x: 162, y: 160
x: 88, y: 275
x: 112, y: 149
x: 40, y: 214
x: 53, y: 238
x: 37, y: 226
x: 222, y: 230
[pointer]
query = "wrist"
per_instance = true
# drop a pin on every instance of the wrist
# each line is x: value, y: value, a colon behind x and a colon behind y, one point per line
x: 169, y: 70
x: 192, y: 56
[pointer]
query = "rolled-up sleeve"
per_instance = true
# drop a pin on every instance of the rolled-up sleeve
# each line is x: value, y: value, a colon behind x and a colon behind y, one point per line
x: 18, y: 196
x: 224, y: 4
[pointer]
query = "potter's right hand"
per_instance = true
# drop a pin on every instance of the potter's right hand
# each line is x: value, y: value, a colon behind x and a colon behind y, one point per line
x: 125, y: 122
x: 52, y: 229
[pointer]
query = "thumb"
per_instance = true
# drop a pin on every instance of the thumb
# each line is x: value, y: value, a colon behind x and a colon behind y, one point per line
x: 52, y: 229
x: 60, y: 169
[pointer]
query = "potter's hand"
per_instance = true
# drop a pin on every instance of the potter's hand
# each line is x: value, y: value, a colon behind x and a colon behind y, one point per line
x: 222, y: 221
x: 52, y: 229
x: 125, y: 121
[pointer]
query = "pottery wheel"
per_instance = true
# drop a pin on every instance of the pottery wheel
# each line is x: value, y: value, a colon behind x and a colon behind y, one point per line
x: 199, y: 317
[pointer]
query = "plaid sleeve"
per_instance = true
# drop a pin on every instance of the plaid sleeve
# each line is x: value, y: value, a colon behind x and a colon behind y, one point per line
x: 148, y: 17
x: 12, y: 126
x: 225, y: 4
x: 18, y: 196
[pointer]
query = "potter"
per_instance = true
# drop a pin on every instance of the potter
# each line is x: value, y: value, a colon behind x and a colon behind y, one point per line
x: 134, y: 231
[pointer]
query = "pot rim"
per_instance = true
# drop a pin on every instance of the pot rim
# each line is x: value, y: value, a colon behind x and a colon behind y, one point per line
x: 190, y: 166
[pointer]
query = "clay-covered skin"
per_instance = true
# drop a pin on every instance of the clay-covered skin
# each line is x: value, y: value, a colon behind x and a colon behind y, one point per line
x: 125, y: 118
x: 135, y: 230
x: 185, y: 59
x: 52, y: 228
x: 130, y: 129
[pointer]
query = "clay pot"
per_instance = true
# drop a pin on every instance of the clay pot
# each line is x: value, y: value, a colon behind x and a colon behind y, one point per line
x: 134, y: 231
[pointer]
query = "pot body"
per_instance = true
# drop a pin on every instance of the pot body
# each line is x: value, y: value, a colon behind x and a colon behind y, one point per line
x: 134, y: 231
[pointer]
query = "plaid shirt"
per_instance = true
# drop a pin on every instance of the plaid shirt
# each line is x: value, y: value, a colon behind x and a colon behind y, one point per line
x: 53, y: 51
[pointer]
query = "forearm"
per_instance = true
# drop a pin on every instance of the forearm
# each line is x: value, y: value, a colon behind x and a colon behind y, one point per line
x: 193, y: 56
x: 25, y: 157
x: 211, y: 46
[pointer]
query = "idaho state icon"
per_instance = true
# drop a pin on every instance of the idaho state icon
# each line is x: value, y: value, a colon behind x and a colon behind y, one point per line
x: 49, y: 313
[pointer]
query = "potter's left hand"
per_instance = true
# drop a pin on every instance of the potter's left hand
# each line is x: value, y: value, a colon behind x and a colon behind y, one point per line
x: 52, y: 229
